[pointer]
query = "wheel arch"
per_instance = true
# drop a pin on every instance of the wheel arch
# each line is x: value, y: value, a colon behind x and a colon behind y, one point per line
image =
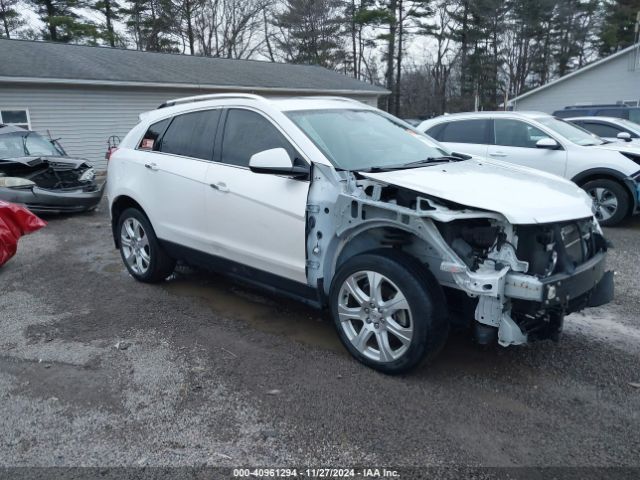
x: 609, y: 174
x: 372, y: 236
x: 119, y: 205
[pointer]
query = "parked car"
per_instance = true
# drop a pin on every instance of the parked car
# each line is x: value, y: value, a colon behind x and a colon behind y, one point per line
x: 609, y: 172
x: 38, y: 173
x: 618, y: 111
x: 342, y: 205
x: 609, y: 128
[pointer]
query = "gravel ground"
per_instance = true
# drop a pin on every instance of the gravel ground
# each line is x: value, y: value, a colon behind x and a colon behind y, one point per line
x: 99, y: 370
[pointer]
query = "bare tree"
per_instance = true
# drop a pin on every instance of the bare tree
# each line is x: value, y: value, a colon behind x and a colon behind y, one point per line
x: 230, y: 28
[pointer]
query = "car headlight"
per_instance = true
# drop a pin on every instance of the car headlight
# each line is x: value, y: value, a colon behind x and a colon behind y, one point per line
x: 15, y: 182
x: 88, y: 176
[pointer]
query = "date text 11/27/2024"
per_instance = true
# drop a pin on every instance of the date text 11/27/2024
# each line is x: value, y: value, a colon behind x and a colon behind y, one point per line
x: 315, y: 473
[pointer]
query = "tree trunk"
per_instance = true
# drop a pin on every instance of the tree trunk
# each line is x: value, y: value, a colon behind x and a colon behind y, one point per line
x: 391, y: 7
x: 396, y: 102
x: 354, y: 49
x: 107, y: 14
x: 51, y: 12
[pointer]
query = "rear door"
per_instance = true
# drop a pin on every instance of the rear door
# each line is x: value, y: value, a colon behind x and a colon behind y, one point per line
x: 176, y: 173
x: 256, y: 219
x: 464, y: 136
x: 515, y: 142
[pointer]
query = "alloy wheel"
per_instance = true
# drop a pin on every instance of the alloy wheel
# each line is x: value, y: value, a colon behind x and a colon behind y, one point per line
x: 135, y: 246
x: 375, y: 316
x: 605, y: 203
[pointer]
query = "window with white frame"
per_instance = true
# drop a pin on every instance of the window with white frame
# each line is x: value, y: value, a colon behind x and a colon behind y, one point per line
x: 18, y: 117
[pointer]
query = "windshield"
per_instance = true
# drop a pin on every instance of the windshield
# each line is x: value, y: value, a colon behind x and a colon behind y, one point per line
x: 570, y: 131
x: 633, y: 126
x: 26, y: 144
x: 364, y: 139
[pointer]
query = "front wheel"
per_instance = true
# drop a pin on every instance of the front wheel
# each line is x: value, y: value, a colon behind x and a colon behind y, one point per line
x: 390, y: 312
x: 140, y: 250
x: 610, y: 201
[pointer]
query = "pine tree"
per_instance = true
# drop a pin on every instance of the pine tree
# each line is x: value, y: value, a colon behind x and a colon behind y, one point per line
x: 311, y: 32
x: 10, y: 18
x: 618, y: 26
x: 62, y: 22
x: 110, y: 10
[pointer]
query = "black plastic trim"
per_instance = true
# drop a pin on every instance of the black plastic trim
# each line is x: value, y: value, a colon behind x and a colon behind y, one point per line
x: 252, y: 276
x: 569, y: 286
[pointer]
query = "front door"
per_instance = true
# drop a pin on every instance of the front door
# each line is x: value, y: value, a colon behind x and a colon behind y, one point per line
x: 515, y: 142
x: 256, y: 219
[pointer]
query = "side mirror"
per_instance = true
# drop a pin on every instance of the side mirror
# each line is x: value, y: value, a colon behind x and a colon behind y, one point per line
x: 276, y: 161
x: 547, y: 143
x: 626, y: 136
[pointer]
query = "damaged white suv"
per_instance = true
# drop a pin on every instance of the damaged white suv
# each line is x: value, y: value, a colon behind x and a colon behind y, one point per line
x: 342, y: 205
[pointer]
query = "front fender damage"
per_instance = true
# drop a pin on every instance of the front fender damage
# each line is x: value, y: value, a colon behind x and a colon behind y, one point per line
x: 345, y: 215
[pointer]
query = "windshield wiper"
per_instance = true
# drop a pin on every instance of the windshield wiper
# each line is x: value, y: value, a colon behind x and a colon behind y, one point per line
x: 24, y: 143
x: 418, y: 163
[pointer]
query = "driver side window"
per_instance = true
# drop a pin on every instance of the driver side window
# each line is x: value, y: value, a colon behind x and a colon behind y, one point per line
x: 247, y: 133
x: 514, y: 133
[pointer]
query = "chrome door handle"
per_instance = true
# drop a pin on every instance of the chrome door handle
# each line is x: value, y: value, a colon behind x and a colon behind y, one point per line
x: 498, y: 154
x: 151, y: 166
x: 220, y: 186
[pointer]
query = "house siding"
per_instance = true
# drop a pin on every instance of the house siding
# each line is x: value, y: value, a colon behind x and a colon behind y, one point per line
x: 612, y: 81
x: 83, y: 118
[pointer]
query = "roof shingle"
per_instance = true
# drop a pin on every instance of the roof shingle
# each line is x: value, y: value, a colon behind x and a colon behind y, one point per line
x: 46, y: 60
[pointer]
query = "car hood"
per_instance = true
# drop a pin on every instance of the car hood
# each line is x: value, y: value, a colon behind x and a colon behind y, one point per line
x: 34, y: 161
x: 522, y: 195
x: 631, y: 147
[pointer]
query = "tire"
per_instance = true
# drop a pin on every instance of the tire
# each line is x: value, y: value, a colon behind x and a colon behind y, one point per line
x: 611, y: 200
x: 410, y: 335
x: 140, y: 250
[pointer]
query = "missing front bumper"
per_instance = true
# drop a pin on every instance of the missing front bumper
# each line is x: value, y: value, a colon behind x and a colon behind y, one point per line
x: 561, y: 290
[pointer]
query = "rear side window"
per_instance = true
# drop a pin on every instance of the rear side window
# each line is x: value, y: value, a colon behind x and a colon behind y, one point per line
x: 247, y: 133
x: 150, y: 141
x: 601, y: 129
x: 191, y: 135
x: 436, y: 131
x: 514, y: 133
x: 464, y: 131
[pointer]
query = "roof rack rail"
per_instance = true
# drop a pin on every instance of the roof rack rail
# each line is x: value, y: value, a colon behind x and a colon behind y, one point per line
x: 211, y: 96
x: 331, y: 97
x: 597, y: 105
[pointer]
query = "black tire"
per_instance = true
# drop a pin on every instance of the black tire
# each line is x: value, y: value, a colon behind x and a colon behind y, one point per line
x: 160, y: 265
x: 621, y: 195
x: 425, y: 298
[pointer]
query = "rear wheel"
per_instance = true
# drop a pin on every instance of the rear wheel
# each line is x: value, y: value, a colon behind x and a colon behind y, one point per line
x: 610, y: 200
x: 140, y: 250
x: 390, y: 312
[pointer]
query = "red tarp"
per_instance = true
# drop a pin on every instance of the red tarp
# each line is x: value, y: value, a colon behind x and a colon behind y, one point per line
x: 15, y: 221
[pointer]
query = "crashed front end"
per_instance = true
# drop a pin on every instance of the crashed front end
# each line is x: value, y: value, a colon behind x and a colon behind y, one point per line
x: 513, y: 282
x: 530, y: 276
x: 47, y: 185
